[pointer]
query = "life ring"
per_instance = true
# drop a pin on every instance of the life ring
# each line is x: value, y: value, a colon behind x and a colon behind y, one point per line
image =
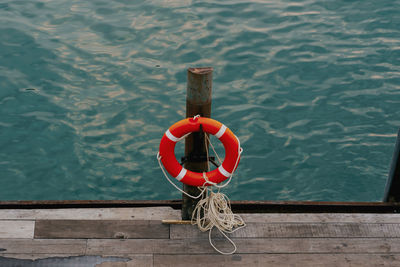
x: 178, y: 131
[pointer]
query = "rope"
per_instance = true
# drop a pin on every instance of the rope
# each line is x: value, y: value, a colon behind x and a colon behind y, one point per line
x: 213, y: 209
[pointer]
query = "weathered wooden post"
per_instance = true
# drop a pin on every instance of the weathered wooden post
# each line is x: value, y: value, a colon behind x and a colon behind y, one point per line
x: 198, y: 102
x: 392, y: 190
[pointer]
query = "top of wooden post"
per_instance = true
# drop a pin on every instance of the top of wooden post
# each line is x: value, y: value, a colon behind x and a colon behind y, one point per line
x: 204, y: 70
x: 199, y: 86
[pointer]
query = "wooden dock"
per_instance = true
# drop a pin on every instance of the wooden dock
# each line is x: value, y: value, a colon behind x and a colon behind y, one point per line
x: 137, y: 237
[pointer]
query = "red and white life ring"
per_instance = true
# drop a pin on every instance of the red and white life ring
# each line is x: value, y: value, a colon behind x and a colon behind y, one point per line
x: 186, y: 126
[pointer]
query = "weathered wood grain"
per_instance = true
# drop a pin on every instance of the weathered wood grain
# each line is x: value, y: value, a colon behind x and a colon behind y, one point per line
x: 16, y: 229
x: 321, y: 217
x: 167, y: 213
x: 100, y: 229
x: 152, y: 213
x: 268, y: 240
x: 244, y: 245
x: 176, y: 222
x: 30, y: 256
x: 145, y: 260
x: 279, y: 260
x: 310, y: 230
x: 82, y: 260
x: 141, y: 260
x: 42, y: 246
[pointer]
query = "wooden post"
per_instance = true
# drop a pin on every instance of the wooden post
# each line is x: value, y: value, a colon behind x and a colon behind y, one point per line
x: 198, y: 102
x: 392, y: 190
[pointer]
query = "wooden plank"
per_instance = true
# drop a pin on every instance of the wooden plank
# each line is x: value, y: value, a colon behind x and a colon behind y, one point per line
x: 38, y: 256
x: 82, y: 260
x: 16, y: 229
x: 244, y: 245
x: 100, y: 229
x: 42, y: 246
x: 176, y: 222
x: 149, y: 213
x: 29, y: 256
x: 141, y: 260
x: 167, y: 213
x: 277, y: 230
x: 71, y: 260
x: 321, y: 217
x: 279, y: 260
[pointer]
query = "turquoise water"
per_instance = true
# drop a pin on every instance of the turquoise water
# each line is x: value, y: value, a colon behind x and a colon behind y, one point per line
x: 87, y: 88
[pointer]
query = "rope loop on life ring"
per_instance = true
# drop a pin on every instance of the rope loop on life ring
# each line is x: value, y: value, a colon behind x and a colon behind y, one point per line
x: 180, y: 130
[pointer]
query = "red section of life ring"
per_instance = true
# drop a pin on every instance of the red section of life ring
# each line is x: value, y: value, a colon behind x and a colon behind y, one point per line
x: 186, y: 126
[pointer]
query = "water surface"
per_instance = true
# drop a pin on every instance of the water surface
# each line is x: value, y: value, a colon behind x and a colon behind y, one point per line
x: 87, y: 88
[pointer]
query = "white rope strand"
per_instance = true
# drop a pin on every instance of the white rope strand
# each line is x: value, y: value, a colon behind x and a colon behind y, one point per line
x: 212, y: 147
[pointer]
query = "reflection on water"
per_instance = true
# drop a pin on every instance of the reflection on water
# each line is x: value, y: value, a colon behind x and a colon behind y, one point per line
x: 87, y: 89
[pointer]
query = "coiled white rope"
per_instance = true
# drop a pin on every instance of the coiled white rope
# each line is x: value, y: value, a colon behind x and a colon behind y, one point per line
x: 213, y: 209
